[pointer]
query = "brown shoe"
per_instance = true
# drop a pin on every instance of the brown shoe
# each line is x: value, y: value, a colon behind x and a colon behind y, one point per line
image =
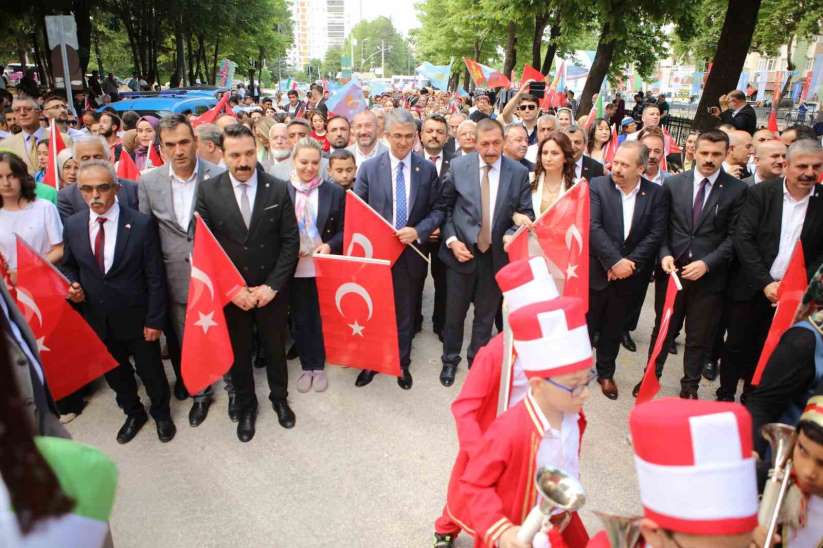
x: 608, y: 387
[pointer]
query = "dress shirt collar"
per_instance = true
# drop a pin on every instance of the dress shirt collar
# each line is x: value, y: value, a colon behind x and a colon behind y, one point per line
x: 495, y: 165
x: 632, y: 192
x: 394, y: 160
x: 698, y: 178
x: 112, y: 215
x: 252, y: 182
x: 789, y: 197
x: 191, y: 179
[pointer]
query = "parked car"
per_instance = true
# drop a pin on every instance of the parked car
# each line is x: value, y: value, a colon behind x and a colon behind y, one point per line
x: 161, y: 105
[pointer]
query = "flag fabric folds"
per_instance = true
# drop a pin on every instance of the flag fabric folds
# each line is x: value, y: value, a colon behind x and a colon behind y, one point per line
x: 531, y: 73
x: 347, y: 101
x: 126, y: 168
x: 650, y: 385
x: 56, y: 144
x: 367, y: 234
x: 485, y: 76
x: 437, y: 74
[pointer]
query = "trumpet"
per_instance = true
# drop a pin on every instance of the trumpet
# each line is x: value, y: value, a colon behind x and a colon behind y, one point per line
x: 558, y: 491
x: 781, y: 439
x: 623, y: 532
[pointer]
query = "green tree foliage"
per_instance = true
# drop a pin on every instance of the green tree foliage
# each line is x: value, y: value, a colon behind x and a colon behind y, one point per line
x: 370, y: 38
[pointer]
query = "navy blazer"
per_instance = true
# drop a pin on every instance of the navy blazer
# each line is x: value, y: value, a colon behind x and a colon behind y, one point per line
x: 374, y: 186
x: 606, y: 243
x: 132, y: 294
x: 70, y: 201
x: 331, y: 207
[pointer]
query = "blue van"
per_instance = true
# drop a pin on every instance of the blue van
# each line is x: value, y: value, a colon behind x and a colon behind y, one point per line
x: 164, y: 104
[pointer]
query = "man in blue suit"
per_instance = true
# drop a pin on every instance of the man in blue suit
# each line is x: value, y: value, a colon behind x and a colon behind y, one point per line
x: 402, y: 187
x: 484, y: 195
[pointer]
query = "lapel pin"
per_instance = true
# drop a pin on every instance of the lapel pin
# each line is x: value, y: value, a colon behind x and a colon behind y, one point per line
x: 417, y: 168
x: 642, y: 193
x: 267, y: 185
x: 128, y: 226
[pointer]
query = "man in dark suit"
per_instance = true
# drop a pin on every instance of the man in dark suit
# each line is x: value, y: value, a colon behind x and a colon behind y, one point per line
x: 402, y: 187
x: 584, y: 166
x: 628, y: 220
x: 252, y: 217
x: 483, y: 195
x: 775, y: 215
x: 433, y: 134
x: 112, y: 257
x: 703, y: 207
x: 739, y: 113
x: 85, y: 148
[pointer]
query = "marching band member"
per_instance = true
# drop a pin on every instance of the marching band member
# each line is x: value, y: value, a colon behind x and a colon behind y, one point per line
x: 481, y: 400
x: 497, y: 489
x: 696, y: 471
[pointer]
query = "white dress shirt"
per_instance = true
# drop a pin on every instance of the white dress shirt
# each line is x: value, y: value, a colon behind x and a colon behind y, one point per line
x: 791, y: 225
x: 110, y: 228
x: 395, y: 162
x: 578, y: 168
x: 658, y: 178
x: 438, y: 164
x: 559, y: 448
x: 251, y: 189
x: 360, y: 157
x: 531, y: 153
x: 182, y: 196
x: 628, y: 201
x: 698, y: 178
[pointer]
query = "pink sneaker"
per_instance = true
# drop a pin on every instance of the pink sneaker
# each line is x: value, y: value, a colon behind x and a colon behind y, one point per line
x: 321, y: 382
x: 304, y: 382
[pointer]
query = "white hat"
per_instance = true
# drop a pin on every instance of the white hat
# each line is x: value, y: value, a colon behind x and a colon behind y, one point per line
x: 526, y: 281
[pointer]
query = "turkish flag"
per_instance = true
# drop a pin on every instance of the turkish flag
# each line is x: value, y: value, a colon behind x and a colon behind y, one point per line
x: 531, y: 73
x: 71, y: 352
x: 357, y: 310
x: 367, y: 234
x: 154, y: 157
x: 650, y: 385
x: 789, y: 294
x: 562, y: 233
x: 207, y: 353
x: 772, y: 123
x: 126, y: 168
x: 611, y: 148
x: 56, y: 144
x: 211, y: 115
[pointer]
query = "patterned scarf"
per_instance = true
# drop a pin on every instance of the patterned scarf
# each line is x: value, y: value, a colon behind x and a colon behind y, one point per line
x: 306, y: 215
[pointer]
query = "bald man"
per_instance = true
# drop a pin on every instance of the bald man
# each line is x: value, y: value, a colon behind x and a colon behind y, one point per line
x: 225, y: 121
x: 737, y: 157
x: 769, y: 161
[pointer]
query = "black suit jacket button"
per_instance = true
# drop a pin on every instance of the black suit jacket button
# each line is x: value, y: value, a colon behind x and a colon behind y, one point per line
x: 262, y: 246
x: 245, y: 248
x: 189, y: 238
x: 186, y: 259
x: 245, y: 268
x: 21, y: 362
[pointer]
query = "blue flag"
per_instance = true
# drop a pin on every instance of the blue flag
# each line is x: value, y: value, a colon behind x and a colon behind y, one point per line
x: 438, y: 75
x: 347, y: 101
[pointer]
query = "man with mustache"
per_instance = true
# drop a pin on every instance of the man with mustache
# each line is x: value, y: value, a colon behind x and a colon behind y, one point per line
x: 703, y: 207
x: 776, y: 214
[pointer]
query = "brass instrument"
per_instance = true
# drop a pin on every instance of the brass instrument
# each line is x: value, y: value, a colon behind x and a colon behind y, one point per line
x: 623, y: 532
x: 781, y: 439
x: 558, y: 491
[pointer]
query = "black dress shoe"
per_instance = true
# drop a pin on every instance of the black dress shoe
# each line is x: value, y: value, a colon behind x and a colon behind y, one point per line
x: 673, y: 348
x: 365, y: 377
x: 285, y: 416
x: 404, y: 381
x: 199, y: 411
x: 710, y: 370
x: 292, y: 354
x: 688, y: 394
x: 443, y: 541
x: 165, y: 430
x: 628, y: 342
x: 234, y: 412
x: 245, y: 425
x: 447, y: 374
x: 180, y: 391
x: 131, y: 427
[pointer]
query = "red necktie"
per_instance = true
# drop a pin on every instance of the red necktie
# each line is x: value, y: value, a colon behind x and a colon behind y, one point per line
x: 434, y: 161
x: 100, y: 245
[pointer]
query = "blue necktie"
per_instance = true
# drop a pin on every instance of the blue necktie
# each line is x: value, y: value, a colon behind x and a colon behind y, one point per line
x: 400, y: 198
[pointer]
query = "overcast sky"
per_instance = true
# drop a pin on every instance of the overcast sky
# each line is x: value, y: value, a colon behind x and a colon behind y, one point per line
x: 402, y: 13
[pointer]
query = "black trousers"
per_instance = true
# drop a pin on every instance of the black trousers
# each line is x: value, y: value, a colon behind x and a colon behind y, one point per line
x: 478, y: 288
x: 438, y: 273
x: 306, y: 325
x: 149, y: 366
x: 749, y: 323
x: 174, y: 347
x: 271, y: 324
x: 607, y: 315
x: 633, y: 313
x: 700, y: 309
x: 408, y: 278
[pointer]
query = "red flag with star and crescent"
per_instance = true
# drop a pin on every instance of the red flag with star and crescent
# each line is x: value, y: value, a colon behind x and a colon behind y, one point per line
x: 207, y: 353
x: 562, y: 234
x: 357, y: 310
x: 367, y: 234
x: 650, y: 385
x: 71, y: 353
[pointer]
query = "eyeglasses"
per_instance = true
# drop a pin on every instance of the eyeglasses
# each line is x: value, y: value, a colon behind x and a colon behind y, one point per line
x: 72, y: 122
x: 527, y: 107
x: 88, y: 189
x: 574, y: 391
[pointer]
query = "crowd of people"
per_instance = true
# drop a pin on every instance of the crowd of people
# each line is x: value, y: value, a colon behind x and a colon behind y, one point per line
x: 457, y: 178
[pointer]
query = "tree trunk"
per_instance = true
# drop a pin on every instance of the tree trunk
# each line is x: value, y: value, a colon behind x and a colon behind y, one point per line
x: 179, y: 54
x: 214, y: 62
x: 554, y: 34
x: 540, y: 20
x: 511, y: 50
x: 732, y: 47
x: 96, y: 40
x: 190, y: 59
x: 46, y: 78
x: 599, y: 68
x: 789, y: 70
x: 82, y: 18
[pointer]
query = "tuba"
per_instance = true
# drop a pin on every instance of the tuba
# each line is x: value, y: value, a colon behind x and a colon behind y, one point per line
x: 558, y: 491
x: 623, y: 532
x: 781, y: 439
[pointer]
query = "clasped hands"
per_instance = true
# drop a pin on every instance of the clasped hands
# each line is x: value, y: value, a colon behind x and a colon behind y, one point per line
x: 621, y: 269
x: 253, y: 297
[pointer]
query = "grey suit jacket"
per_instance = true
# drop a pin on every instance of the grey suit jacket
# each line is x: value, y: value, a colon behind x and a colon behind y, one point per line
x: 36, y: 401
x: 282, y: 170
x: 175, y: 241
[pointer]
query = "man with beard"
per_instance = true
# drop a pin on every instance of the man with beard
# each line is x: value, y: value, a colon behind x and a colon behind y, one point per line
x: 654, y: 141
x: 282, y: 138
x: 365, y: 128
x: 337, y: 133
x: 110, y: 126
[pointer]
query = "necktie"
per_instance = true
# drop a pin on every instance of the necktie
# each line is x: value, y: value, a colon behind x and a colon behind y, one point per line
x: 245, y: 206
x: 100, y: 245
x: 401, y: 215
x: 484, y: 239
x: 697, y: 209
x: 433, y: 160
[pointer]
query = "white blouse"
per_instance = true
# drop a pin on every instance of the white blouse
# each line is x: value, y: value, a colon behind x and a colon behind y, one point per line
x: 38, y: 224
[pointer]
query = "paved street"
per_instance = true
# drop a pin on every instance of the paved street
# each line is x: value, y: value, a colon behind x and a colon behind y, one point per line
x: 363, y: 467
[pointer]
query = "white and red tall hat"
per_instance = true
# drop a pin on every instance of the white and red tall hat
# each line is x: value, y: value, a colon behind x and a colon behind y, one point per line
x: 525, y: 282
x: 695, y: 465
x: 551, y: 337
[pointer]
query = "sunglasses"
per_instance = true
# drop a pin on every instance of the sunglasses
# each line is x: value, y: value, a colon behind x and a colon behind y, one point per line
x: 72, y: 122
x: 528, y: 107
x: 88, y: 189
